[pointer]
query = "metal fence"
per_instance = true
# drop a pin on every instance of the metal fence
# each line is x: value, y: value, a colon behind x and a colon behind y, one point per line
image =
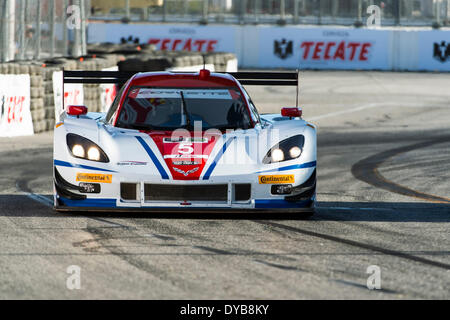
x: 41, y: 29
x: 337, y: 12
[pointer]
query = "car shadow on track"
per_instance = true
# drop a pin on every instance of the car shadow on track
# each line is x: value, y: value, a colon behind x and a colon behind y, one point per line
x: 23, y: 206
x: 328, y: 211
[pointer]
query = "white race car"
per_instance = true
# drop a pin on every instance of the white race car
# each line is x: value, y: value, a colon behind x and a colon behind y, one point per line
x: 183, y: 141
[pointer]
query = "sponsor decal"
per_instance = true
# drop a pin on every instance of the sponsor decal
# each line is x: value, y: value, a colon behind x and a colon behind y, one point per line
x: 193, y: 156
x: 186, y: 173
x: 283, y: 49
x: 186, y: 44
x: 131, y: 163
x: 337, y: 51
x: 130, y: 39
x: 276, y: 179
x: 94, y: 177
x: 89, y: 187
x: 185, y: 139
x: 185, y: 163
x: 441, y: 51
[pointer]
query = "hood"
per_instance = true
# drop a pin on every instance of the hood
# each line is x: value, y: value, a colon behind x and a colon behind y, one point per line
x: 185, y: 156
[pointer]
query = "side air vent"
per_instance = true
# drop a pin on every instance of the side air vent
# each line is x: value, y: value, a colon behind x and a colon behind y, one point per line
x: 129, y: 191
x: 242, y: 192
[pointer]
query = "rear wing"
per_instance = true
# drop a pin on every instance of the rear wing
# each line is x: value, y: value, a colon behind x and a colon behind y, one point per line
x: 245, y: 78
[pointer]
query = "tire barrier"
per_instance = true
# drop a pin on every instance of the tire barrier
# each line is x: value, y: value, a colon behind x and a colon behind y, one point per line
x: 125, y: 57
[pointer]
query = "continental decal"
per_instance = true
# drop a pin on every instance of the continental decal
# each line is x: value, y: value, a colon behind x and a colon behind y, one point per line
x: 94, y: 177
x: 277, y: 179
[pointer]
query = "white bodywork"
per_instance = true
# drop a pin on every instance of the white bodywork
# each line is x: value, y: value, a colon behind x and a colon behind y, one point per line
x: 240, y: 161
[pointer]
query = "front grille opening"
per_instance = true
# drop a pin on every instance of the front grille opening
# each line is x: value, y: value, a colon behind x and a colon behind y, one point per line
x: 128, y: 191
x: 163, y: 192
x: 242, y: 191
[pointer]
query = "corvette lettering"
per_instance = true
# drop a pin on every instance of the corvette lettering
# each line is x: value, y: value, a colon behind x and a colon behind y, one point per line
x: 94, y: 177
x: 131, y: 163
x: 277, y: 179
x: 336, y: 51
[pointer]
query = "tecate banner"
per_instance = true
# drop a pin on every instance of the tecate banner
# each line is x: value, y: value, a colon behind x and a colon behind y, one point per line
x: 434, y: 50
x: 15, y: 114
x: 168, y: 37
x: 323, y: 48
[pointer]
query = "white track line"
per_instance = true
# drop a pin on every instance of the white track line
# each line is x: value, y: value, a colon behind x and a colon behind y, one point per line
x: 337, y: 113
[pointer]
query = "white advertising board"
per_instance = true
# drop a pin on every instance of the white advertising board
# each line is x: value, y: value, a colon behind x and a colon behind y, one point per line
x: 323, y: 48
x: 73, y: 93
x: 434, y: 50
x: 108, y: 91
x: 292, y: 47
x: 168, y: 37
x: 15, y: 114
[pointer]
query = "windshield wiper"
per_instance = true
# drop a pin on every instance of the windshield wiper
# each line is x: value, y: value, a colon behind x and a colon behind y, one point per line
x: 184, y: 106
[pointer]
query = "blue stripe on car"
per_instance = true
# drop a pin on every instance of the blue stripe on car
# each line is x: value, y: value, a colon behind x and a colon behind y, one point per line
x: 292, y: 167
x: 76, y: 165
x: 217, y: 158
x: 102, y: 203
x: 280, y: 203
x: 155, y: 160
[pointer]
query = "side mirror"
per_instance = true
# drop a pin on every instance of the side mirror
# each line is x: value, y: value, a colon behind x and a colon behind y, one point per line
x: 291, y: 112
x: 76, y: 110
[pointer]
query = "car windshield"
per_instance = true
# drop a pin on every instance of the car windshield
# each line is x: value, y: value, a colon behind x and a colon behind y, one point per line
x: 148, y: 108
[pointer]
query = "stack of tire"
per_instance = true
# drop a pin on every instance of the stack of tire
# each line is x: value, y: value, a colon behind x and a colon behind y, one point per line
x: 140, y: 58
x: 92, y: 92
x: 219, y: 60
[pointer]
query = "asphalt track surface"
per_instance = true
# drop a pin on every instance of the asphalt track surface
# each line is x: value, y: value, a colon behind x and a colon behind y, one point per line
x: 383, y: 199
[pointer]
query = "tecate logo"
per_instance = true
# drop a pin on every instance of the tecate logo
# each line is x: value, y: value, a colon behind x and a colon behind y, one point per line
x: 330, y: 50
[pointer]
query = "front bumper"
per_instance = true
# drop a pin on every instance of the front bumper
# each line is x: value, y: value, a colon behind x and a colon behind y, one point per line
x: 68, y: 195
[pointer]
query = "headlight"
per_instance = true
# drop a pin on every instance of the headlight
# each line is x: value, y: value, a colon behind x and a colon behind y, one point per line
x: 93, y: 154
x: 83, y: 148
x: 287, y: 149
x: 277, y: 155
x: 295, y: 152
x: 78, y: 151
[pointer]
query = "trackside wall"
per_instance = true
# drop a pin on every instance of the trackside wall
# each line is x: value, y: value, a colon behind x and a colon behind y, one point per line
x: 291, y: 47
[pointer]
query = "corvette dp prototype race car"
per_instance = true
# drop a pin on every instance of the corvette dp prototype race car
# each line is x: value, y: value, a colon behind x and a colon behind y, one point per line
x: 183, y: 141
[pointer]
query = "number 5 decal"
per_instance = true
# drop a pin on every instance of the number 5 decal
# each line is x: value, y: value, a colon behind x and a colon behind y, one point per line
x: 185, y: 148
